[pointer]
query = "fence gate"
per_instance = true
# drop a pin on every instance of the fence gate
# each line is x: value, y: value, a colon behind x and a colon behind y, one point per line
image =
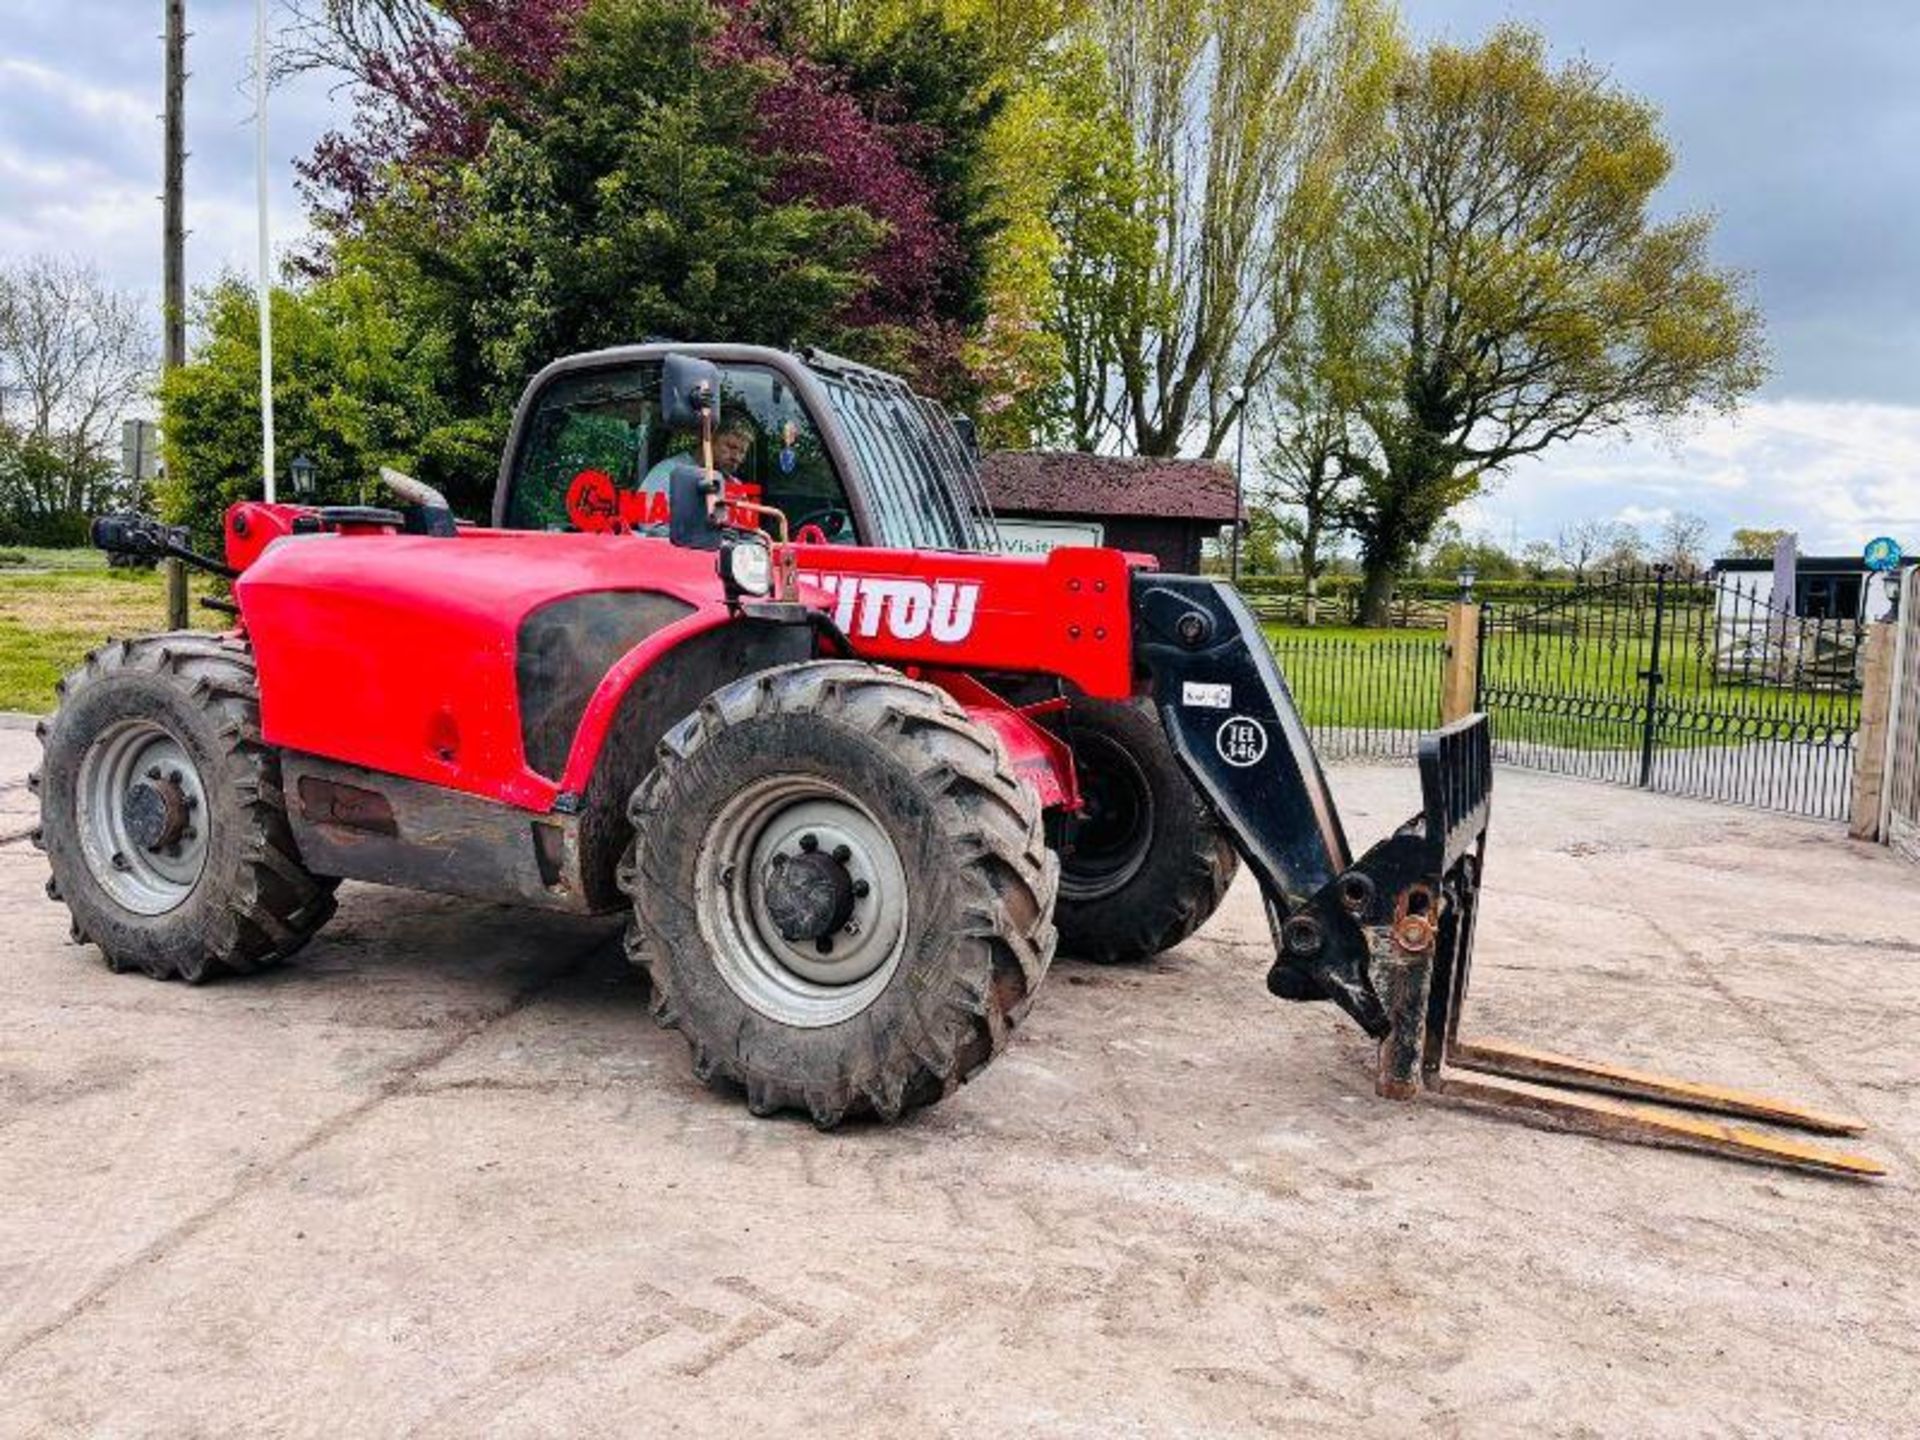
x: 1903, y: 739
x: 1687, y: 684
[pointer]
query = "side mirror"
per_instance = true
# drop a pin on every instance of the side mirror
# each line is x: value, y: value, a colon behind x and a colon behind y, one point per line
x: 690, y: 492
x: 689, y: 393
x: 969, y: 433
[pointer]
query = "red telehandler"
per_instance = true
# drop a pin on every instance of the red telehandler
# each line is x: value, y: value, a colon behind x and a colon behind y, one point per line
x: 737, y: 654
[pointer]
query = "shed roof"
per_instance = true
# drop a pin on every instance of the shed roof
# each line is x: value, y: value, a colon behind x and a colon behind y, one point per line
x: 1808, y: 564
x: 1037, y: 482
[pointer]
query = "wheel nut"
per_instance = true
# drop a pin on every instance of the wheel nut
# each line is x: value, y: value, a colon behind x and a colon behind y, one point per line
x: 727, y: 872
x: 153, y: 772
x: 175, y: 776
x: 120, y: 861
x: 809, y: 842
x: 861, y: 889
x: 824, y: 944
x: 842, y: 854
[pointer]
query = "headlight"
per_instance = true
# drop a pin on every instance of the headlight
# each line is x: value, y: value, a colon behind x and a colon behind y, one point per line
x: 747, y: 566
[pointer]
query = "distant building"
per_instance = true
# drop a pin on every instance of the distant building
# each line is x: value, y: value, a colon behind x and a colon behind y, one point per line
x: 1795, y: 619
x: 1163, y: 508
x: 1816, y: 587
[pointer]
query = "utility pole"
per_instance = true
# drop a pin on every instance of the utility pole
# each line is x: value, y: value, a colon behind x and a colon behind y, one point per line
x: 174, y: 283
x: 173, y: 342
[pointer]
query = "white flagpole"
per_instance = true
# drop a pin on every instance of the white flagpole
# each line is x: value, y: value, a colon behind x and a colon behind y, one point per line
x: 266, y: 247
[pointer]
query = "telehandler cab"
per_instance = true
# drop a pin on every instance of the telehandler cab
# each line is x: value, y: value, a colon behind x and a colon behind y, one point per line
x: 737, y: 654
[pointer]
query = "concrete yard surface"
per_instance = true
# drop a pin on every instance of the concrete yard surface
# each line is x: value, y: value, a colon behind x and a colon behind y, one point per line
x: 441, y: 1175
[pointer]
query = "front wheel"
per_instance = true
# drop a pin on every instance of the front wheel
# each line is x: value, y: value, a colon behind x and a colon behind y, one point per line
x: 1146, y: 863
x: 841, y: 892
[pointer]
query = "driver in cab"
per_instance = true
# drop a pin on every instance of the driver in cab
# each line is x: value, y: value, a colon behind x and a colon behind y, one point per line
x: 732, y: 443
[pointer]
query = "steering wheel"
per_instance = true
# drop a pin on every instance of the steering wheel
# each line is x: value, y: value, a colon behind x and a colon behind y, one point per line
x: 829, y: 522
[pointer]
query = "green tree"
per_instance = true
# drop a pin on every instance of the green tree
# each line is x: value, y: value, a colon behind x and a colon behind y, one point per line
x: 1756, y: 544
x: 1239, y: 117
x: 1524, y: 295
x: 50, y: 486
x: 625, y: 200
x: 356, y: 386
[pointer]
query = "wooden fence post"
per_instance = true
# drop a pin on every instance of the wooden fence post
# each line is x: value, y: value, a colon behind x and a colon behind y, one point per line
x: 177, y: 616
x: 1460, y: 687
x: 1870, y: 758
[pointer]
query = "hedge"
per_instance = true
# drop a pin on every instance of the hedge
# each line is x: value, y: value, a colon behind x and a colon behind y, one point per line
x: 1419, y: 603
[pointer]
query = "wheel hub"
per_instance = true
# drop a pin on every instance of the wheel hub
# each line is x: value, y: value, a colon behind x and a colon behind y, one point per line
x: 156, y: 813
x: 809, y: 895
x: 141, y: 803
x: 1113, y: 835
x: 805, y: 899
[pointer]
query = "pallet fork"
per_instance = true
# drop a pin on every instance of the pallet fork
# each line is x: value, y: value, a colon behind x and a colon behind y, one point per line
x: 1389, y: 937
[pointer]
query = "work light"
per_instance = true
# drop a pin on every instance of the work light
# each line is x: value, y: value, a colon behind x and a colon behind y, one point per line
x: 747, y: 565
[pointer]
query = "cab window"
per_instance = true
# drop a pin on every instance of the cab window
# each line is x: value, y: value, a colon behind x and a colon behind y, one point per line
x: 595, y: 456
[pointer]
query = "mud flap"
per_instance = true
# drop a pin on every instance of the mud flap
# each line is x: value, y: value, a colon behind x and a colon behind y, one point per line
x: 1389, y: 937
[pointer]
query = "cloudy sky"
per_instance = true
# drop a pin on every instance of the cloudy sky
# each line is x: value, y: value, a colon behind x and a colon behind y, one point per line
x: 1798, y: 124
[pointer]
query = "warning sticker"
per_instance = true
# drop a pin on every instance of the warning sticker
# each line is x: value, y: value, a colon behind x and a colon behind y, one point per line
x: 1203, y: 696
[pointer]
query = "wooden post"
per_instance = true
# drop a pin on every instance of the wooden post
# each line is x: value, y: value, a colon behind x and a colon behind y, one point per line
x: 1459, y: 689
x: 1870, y: 756
x: 177, y: 616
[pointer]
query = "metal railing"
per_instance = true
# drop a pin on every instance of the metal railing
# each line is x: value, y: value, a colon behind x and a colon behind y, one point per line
x: 1364, y: 696
x: 1692, y: 685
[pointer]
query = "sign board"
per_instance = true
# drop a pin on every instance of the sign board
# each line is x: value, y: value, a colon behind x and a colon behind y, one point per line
x: 1883, y: 554
x: 139, y: 451
x: 1038, y: 537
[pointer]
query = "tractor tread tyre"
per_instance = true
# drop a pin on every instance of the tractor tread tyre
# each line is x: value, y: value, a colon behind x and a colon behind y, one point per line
x: 980, y: 888
x: 1188, y: 865
x: 254, y: 904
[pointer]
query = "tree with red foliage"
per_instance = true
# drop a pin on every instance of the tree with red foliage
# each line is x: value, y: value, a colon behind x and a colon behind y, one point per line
x: 430, y: 95
x: 430, y: 80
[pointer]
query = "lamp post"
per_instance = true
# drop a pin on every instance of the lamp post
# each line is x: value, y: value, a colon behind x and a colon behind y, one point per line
x: 1464, y: 579
x: 302, y: 469
x: 1238, y: 395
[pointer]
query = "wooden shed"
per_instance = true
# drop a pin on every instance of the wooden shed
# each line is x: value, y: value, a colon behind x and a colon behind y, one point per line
x: 1163, y: 508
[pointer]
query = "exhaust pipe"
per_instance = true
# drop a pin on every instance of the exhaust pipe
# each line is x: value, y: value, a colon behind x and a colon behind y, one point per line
x: 427, y: 507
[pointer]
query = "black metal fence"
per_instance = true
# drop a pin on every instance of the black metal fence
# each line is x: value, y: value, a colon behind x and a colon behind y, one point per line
x: 1364, y: 695
x: 1693, y: 685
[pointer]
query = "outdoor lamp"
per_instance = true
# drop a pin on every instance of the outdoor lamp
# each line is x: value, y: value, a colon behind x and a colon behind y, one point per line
x: 1465, y: 580
x: 303, y: 475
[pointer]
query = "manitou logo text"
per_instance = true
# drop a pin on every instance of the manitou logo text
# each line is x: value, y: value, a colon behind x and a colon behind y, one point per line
x: 869, y: 606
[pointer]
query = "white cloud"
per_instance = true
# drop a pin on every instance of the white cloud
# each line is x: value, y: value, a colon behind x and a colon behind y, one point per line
x: 1839, y: 473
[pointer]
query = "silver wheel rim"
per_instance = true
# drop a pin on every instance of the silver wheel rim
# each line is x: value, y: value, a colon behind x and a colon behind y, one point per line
x: 144, y: 878
x: 795, y: 982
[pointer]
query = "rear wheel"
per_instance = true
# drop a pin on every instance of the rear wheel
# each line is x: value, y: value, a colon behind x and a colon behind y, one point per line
x: 842, y: 894
x: 1146, y: 863
x: 162, y: 816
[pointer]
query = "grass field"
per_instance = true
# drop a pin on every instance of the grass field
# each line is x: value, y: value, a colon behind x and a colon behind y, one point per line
x: 1346, y: 679
x: 62, y: 603
x: 1576, y: 690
